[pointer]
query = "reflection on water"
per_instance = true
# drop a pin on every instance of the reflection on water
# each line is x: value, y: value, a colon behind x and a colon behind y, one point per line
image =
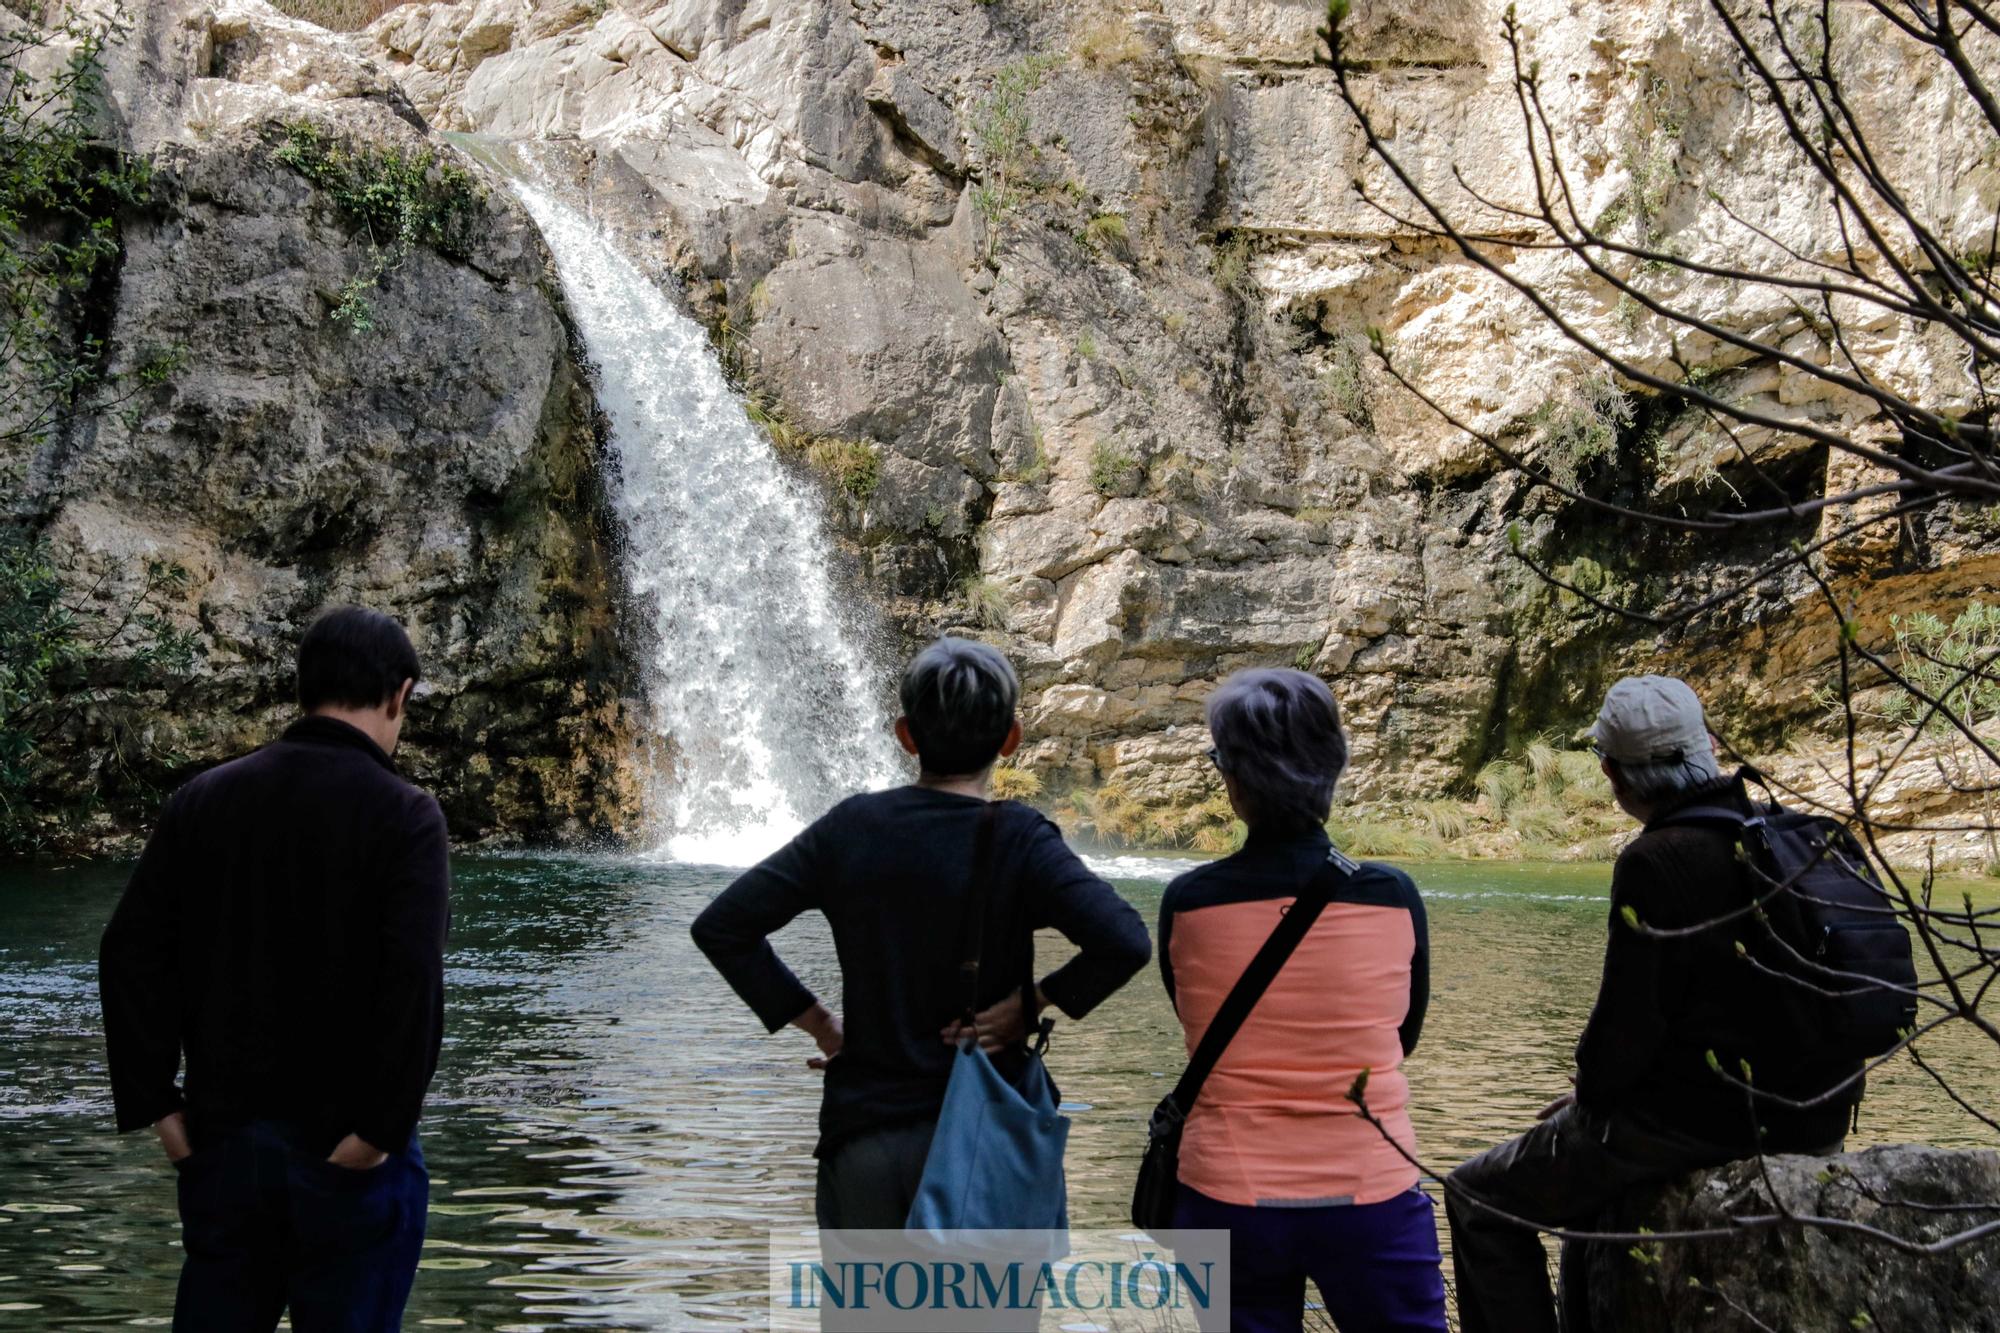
x: 610, y: 1133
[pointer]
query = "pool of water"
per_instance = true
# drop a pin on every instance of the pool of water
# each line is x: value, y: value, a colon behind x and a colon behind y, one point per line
x: 611, y: 1134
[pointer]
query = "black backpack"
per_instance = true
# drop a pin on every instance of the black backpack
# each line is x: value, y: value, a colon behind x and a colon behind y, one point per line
x: 1822, y: 929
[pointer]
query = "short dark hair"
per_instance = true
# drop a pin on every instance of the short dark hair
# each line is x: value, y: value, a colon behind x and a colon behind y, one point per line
x: 355, y: 658
x: 958, y: 697
x: 1277, y: 733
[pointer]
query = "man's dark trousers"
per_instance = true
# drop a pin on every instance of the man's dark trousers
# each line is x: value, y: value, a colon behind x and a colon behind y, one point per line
x: 1562, y: 1173
x: 269, y: 1224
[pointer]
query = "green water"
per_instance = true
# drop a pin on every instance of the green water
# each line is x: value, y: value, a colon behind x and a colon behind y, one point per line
x: 611, y: 1134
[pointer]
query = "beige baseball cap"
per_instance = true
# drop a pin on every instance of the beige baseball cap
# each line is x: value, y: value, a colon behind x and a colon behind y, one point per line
x: 1651, y: 720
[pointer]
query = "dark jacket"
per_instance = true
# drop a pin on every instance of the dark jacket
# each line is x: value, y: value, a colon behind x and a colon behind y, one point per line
x: 892, y: 872
x: 284, y: 933
x: 1664, y: 1005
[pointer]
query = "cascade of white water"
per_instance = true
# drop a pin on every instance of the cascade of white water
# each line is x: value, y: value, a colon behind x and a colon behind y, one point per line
x: 762, y: 693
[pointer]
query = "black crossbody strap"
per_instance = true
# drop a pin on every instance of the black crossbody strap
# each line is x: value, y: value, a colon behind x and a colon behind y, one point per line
x: 975, y: 905
x: 1257, y: 977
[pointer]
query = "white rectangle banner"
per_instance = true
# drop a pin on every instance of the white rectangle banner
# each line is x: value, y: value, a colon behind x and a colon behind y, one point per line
x: 940, y: 1282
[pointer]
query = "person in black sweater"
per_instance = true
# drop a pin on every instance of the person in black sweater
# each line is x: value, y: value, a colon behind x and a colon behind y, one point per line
x: 892, y: 871
x: 1647, y: 1105
x: 283, y: 936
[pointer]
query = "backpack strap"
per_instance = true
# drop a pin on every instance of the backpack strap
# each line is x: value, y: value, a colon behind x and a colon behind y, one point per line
x: 1257, y: 977
x: 1705, y: 814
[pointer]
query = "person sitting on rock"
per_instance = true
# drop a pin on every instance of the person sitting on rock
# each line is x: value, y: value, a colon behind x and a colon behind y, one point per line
x: 892, y: 872
x: 1648, y: 1105
x: 1273, y: 1151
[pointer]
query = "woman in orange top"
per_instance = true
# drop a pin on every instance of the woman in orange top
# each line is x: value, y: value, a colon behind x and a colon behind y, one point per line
x: 1274, y: 1151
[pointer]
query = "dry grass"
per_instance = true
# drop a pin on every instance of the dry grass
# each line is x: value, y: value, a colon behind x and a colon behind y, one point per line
x: 1015, y: 784
x: 1109, y: 44
x: 338, y: 15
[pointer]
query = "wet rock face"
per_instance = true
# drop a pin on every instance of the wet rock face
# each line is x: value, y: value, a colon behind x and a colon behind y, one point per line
x: 1093, y: 279
x: 440, y: 465
x: 1808, y: 1278
x: 1071, y: 302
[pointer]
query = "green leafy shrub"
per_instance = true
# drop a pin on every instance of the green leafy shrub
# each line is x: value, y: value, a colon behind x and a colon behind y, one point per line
x: 1003, y: 132
x: 52, y: 656
x: 398, y: 201
x: 62, y: 193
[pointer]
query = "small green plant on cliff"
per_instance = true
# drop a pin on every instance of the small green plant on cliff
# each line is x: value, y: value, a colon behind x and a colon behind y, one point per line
x: 1651, y: 157
x: 1035, y: 470
x: 1231, y: 264
x: 1106, y: 232
x: 1345, y: 380
x: 985, y: 602
x: 1579, y: 424
x: 398, y: 201
x: 1003, y: 132
x: 1111, y: 468
x: 63, y: 190
x: 56, y: 655
x: 769, y: 418
x: 853, y: 466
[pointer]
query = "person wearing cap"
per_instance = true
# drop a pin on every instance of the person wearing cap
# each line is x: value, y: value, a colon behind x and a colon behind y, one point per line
x: 1647, y: 1105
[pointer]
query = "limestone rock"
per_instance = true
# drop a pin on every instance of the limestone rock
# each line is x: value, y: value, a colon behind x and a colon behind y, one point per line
x: 441, y: 466
x: 1805, y: 1278
x: 1095, y: 280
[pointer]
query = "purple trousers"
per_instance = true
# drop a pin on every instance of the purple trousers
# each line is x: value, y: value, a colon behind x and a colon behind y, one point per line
x: 1376, y: 1265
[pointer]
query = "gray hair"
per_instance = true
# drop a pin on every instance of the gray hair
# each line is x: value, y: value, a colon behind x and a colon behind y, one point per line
x: 1277, y: 736
x: 959, y: 697
x: 1669, y: 779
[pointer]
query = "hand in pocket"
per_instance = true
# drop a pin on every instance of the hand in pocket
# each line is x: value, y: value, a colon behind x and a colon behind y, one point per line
x: 357, y: 1154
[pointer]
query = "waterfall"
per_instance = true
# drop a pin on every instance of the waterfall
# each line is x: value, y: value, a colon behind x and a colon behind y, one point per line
x: 764, y: 699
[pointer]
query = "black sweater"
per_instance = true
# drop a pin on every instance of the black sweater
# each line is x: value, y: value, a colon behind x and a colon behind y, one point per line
x: 1663, y: 1005
x: 284, y: 932
x: 891, y: 871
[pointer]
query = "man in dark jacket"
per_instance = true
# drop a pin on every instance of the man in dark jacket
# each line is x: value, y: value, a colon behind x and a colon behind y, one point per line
x: 282, y: 938
x: 1648, y: 1105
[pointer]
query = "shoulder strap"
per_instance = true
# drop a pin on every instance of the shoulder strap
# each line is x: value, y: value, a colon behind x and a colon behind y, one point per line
x: 1704, y: 814
x: 1257, y: 977
x: 975, y: 905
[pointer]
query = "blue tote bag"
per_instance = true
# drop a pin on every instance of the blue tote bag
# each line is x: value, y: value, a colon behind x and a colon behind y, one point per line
x: 996, y: 1161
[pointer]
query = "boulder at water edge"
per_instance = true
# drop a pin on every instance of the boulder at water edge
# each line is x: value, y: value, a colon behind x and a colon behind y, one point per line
x: 1804, y: 1279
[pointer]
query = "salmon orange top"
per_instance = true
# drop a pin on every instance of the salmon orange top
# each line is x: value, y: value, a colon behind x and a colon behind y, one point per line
x: 1274, y: 1124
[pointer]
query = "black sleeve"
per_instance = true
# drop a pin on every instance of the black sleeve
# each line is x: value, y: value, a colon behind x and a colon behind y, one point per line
x: 733, y: 929
x: 407, y: 1018
x: 1621, y: 1040
x: 1166, y: 938
x: 1110, y: 938
x: 1412, y: 1028
x: 136, y: 984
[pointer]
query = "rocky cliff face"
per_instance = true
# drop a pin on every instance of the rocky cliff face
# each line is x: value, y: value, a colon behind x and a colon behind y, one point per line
x: 422, y: 443
x: 1085, y: 284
